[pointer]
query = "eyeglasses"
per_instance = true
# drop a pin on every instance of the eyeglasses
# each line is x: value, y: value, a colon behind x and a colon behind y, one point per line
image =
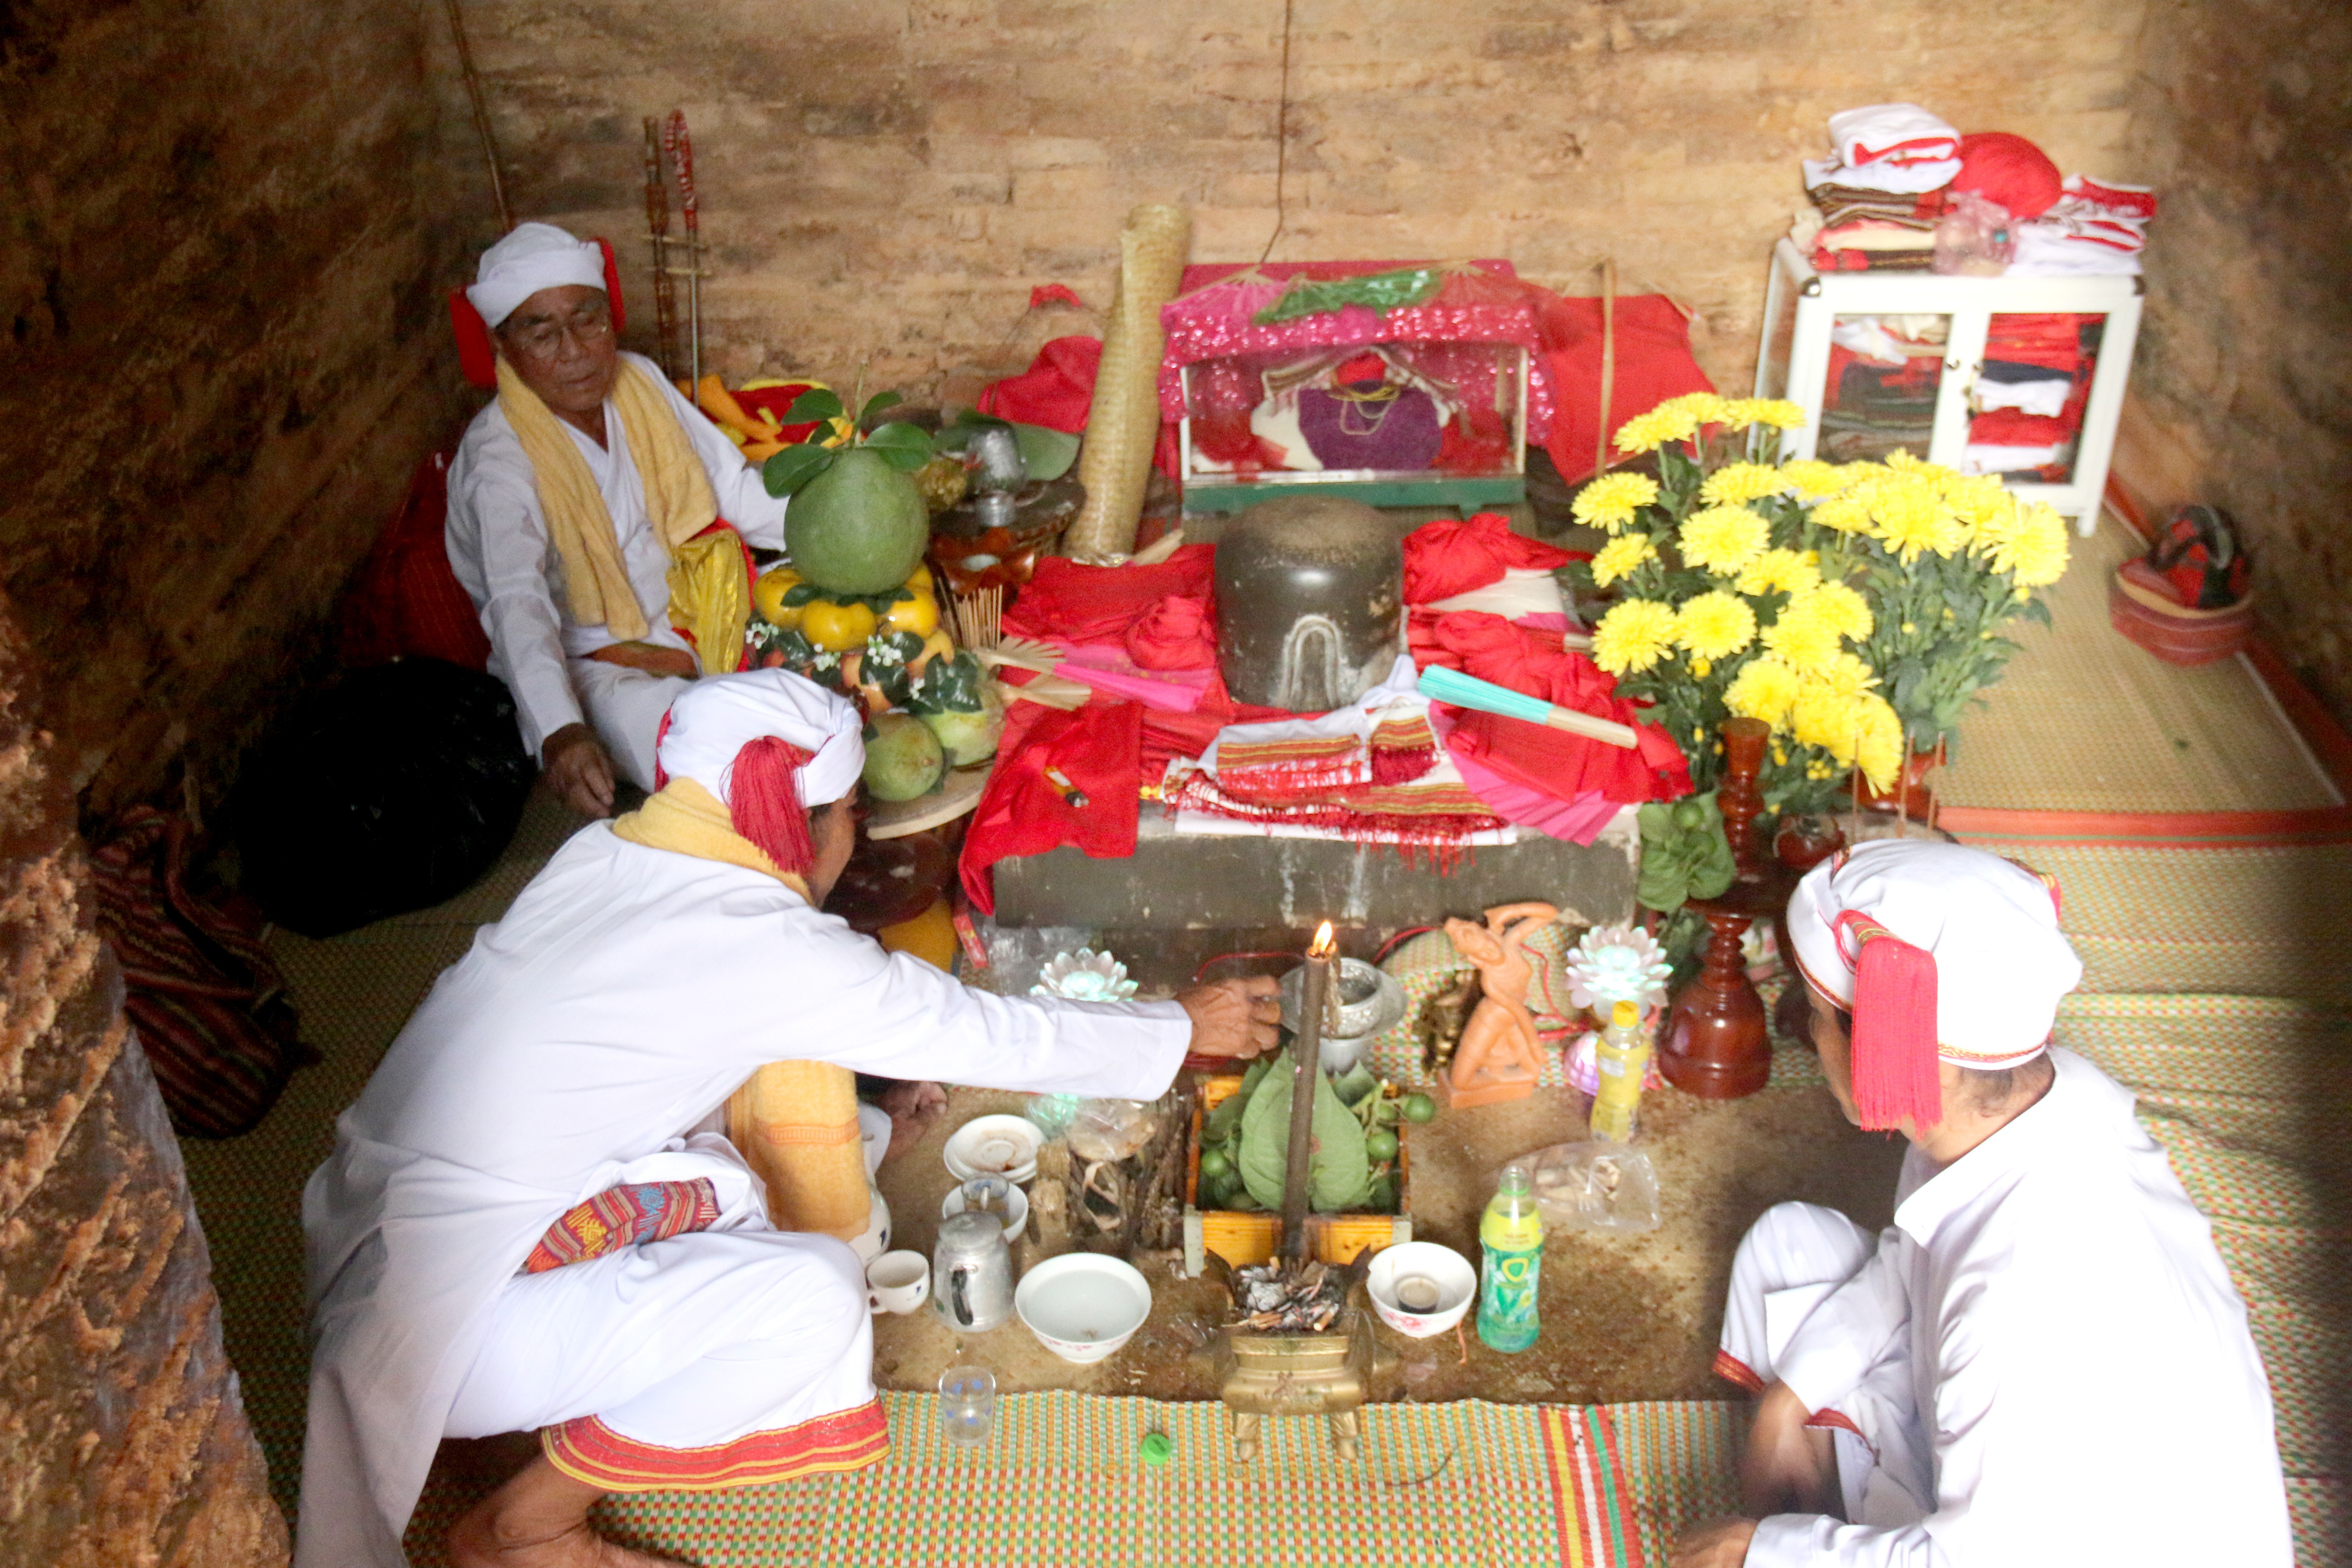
x: 545, y: 339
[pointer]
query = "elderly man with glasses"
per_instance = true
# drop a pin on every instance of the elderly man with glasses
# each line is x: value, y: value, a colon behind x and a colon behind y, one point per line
x: 573, y: 500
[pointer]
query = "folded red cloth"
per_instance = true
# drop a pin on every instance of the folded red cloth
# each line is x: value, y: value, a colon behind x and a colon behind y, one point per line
x: 1098, y: 603
x: 1099, y: 748
x: 1056, y: 391
x: 2016, y: 427
x: 1553, y: 762
x: 1174, y: 633
x: 1447, y: 557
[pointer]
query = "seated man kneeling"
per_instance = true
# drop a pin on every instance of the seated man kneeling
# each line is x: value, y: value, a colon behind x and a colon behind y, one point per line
x: 2042, y: 1361
x: 526, y: 1222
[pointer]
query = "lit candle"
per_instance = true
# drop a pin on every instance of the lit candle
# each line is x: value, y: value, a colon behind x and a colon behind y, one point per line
x: 1306, y: 1050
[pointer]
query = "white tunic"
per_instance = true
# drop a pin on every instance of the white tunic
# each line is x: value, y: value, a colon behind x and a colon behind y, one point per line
x: 626, y: 993
x: 498, y: 547
x: 2079, y: 1372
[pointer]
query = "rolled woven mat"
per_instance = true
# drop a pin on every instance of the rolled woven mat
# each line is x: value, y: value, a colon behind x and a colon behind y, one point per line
x: 796, y: 1125
x: 1124, y: 423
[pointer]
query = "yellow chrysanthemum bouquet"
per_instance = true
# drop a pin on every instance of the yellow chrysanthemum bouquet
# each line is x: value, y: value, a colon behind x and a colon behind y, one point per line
x: 1855, y: 607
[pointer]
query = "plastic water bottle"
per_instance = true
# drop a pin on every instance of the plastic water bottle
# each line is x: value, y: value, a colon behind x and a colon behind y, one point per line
x: 1511, y: 1237
x: 1623, y: 1062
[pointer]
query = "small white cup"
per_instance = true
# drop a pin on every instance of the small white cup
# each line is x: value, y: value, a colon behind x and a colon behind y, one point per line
x: 898, y: 1282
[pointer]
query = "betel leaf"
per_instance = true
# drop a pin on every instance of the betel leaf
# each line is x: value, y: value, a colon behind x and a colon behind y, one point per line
x: 904, y: 446
x: 1047, y: 453
x: 1682, y: 859
x: 793, y: 466
x: 813, y: 405
x: 877, y: 403
x: 1338, y: 1173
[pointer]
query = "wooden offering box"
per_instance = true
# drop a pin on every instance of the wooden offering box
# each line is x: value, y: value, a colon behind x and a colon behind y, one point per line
x: 1245, y: 1238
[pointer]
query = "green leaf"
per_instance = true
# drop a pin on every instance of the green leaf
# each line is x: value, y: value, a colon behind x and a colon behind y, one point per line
x: 877, y: 403
x: 904, y: 446
x: 1047, y: 453
x: 811, y: 406
x: 1340, y: 1174
x: 793, y: 466
x: 800, y: 594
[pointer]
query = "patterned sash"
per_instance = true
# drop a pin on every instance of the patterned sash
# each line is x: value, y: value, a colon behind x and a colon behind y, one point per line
x: 625, y: 1216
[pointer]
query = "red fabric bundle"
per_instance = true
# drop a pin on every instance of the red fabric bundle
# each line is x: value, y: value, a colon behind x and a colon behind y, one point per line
x: 1056, y: 391
x: 406, y: 602
x: 1174, y: 633
x: 2015, y: 428
x: 2011, y: 171
x: 1553, y: 762
x: 1099, y: 748
x: 1100, y: 604
x: 1654, y: 364
x: 1445, y: 557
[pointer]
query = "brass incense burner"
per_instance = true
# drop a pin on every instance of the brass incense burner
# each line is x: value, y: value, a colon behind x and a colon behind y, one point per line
x: 1327, y: 1374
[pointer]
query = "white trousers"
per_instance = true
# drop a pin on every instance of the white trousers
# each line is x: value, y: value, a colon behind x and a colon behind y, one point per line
x: 1790, y: 1260
x: 625, y: 706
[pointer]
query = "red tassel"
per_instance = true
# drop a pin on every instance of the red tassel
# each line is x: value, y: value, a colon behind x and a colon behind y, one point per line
x: 477, y: 356
x: 1897, y: 1075
x: 763, y: 796
x: 661, y: 734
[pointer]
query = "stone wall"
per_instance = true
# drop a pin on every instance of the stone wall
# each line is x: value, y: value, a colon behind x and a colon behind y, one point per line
x: 2243, y: 389
x: 887, y: 182
x: 220, y: 278
x: 122, y: 1439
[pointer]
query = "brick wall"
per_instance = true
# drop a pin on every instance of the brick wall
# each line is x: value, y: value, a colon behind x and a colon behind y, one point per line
x: 2243, y: 389
x: 889, y: 182
x: 220, y: 276
x: 122, y: 1439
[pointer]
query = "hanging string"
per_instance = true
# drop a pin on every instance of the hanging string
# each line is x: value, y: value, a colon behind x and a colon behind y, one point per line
x: 1281, y: 145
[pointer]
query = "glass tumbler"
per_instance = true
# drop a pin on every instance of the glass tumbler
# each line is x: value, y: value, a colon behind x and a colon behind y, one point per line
x: 967, y: 1406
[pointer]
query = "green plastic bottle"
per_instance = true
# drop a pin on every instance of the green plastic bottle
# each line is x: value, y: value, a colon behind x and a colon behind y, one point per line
x: 1511, y: 1236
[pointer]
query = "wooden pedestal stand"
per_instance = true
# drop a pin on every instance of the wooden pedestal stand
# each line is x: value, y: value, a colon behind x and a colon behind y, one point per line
x: 1715, y: 1044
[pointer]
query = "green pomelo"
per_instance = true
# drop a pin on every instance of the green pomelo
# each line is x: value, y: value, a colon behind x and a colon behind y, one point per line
x: 859, y: 527
x: 903, y: 760
x: 968, y: 738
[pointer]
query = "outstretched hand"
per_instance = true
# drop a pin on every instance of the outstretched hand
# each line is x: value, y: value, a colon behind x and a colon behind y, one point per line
x: 1235, y: 1017
x: 578, y: 768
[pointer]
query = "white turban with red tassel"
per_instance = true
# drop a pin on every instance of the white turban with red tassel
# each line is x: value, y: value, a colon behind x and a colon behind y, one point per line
x: 1941, y: 953
x: 769, y: 746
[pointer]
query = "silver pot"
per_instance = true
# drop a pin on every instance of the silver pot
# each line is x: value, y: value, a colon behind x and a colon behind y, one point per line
x: 971, y: 1273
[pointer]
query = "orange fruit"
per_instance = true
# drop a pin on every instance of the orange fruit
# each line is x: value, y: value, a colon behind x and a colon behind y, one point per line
x: 919, y: 615
x: 767, y: 598
x: 834, y: 627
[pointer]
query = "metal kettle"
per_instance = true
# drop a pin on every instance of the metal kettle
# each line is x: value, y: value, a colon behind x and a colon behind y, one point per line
x: 972, y: 1273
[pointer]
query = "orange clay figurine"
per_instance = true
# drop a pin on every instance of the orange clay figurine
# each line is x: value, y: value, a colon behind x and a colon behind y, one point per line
x: 1500, y: 1054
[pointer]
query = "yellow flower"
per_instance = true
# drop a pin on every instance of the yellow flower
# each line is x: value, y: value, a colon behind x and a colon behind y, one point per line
x: 1807, y: 644
x: 2035, y: 556
x: 1848, y: 674
x: 1825, y: 717
x: 1633, y: 636
x: 1839, y: 606
x: 1880, y: 749
x: 1812, y: 479
x: 1763, y: 689
x: 1722, y: 539
x: 1648, y: 432
x: 1936, y: 474
x: 1714, y: 624
x: 1780, y: 571
x: 1610, y: 502
x: 1703, y: 407
x: 1736, y: 482
x: 1845, y: 513
x: 1620, y: 556
x: 1910, y: 516
x: 1702, y: 668
x: 1982, y: 503
x: 1778, y: 413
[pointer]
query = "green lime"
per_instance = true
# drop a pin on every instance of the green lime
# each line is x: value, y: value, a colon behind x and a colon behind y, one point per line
x: 1156, y: 1449
x: 1380, y: 1145
x: 1420, y: 1107
x: 1214, y: 1166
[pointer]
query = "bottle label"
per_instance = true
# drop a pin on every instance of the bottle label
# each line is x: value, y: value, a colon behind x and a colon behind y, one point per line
x: 1506, y: 1297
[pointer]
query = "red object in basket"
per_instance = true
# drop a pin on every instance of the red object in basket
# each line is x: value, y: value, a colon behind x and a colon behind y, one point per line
x: 2189, y: 600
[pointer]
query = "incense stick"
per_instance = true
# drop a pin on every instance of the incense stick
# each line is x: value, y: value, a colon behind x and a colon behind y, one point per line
x: 481, y: 112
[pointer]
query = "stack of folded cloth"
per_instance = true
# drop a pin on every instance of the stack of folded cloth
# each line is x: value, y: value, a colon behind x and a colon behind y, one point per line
x: 2031, y: 394
x: 1881, y: 197
x: 2097, y: 228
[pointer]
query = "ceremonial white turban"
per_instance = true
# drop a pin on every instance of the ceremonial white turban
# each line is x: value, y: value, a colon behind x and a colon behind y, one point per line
x: 1939, y: 952
x: 718, y: 716
x: 535, y: 256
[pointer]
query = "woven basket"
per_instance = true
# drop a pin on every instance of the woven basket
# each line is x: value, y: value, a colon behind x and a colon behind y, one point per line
x: 2176, y: 633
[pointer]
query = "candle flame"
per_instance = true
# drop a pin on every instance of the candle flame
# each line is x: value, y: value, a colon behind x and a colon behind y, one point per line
x: 1324, y: 944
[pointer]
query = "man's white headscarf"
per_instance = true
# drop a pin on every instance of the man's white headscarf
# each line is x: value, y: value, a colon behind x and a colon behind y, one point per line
x: 535, y: 256
x: 718, y: 716
x: 1940, y: 952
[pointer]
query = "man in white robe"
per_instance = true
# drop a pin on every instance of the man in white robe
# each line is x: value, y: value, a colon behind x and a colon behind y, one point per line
x: 2042, y: 1363
x: 577, y: 1053
x: 588, y: 695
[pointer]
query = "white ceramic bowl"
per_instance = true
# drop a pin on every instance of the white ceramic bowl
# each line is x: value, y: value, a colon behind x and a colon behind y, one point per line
x: 1017, y: 1212
x: 1427, y: 1272
x: 1081, y: 1305
x: 994, y: 1146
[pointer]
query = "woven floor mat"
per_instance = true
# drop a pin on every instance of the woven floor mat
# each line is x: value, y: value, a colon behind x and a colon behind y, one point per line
x: 1060, y: 1482
x: 2085, y: 720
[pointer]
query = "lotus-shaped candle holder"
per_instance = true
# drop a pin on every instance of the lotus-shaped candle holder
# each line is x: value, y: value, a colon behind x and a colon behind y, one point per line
x: 1617, y: 964
x: 1085, y: 975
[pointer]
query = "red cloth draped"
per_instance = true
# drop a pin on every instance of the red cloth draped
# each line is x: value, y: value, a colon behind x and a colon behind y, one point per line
x: 1552, y: 761
x: 1445, y: 557
x: 1654, y: 364
x: 1174, y: 633
x: 1056, y: 391
x: 1099, y: 747
x: 1099, y: 604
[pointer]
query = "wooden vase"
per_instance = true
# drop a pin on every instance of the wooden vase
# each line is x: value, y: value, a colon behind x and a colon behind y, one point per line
x: 1715, y: 1045
x: 1739, y: 798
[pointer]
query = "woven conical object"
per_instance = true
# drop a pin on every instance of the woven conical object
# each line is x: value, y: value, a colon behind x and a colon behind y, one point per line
x: 1124, y: 423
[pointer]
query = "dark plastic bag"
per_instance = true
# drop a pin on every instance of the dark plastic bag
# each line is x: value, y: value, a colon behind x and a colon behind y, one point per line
x: 389, y: 792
